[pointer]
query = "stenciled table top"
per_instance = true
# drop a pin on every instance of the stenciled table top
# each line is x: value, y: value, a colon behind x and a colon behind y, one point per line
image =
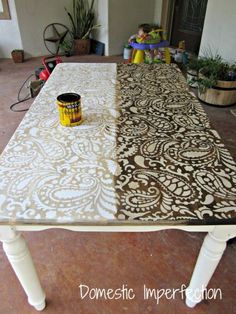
x: 144, y: 154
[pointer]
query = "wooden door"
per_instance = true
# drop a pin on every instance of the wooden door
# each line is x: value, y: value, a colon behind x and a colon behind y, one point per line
x: 188, y: 20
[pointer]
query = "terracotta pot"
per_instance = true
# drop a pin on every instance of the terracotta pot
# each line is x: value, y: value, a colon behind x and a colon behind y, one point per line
x: 17, y: 56
x: 222, y: 94
x: 82, y: 46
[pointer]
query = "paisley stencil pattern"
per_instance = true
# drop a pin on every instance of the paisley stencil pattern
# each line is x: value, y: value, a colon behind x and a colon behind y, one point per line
x: 53, y: 174
x: 174, y: 168
x: 145, y: 153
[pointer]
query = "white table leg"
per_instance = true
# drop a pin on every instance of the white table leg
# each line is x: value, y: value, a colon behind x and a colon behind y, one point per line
x: 20, y: 259
x: 210, y: 254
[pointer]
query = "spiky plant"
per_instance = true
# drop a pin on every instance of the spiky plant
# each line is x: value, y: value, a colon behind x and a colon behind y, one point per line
x: 214, y: 69
x: 82, y: 18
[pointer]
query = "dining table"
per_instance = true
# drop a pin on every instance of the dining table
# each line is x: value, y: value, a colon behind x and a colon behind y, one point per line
x: 145, y: 158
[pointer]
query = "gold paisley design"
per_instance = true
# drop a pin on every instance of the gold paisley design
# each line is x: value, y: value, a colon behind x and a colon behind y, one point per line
x: 53, y: 174
x: 145, y: 152
x: 179, y: 170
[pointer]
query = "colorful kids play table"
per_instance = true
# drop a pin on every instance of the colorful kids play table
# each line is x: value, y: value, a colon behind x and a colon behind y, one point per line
x: 145, y: 158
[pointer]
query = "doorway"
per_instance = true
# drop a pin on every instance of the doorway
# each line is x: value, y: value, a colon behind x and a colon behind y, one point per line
x: 187, y: 23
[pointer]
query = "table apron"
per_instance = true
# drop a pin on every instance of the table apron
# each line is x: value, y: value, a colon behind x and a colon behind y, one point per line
x: 119, y: 228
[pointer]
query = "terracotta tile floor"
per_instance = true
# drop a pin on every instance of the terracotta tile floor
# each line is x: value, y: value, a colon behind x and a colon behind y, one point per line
x: 66, y: 259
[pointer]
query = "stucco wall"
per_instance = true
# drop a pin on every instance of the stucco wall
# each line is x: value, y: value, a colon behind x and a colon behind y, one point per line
x: 157, y: 11
x: 9, y: 33
x: 118, y: 18
x: 123, y: 20
x: 219, y: 29
x: 34, y: 16
x: 102, y: 34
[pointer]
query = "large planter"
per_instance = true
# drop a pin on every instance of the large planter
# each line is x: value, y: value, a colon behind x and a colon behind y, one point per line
x: 192, y: 77
x: 222, y: 94
x: 17, y: 56
x: 82, y: 46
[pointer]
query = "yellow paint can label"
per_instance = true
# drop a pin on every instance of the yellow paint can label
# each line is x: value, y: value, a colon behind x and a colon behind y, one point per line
x: 69, y: 107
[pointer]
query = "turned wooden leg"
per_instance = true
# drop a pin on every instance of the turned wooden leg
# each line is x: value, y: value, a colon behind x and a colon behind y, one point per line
x: 20, y: 259
x: 210, y: 254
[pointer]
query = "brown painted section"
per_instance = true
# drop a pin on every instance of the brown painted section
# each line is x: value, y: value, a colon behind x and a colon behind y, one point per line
x: 174, y: 168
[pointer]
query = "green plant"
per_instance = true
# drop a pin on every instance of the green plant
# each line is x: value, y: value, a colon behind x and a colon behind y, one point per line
x: 195, y: 64
x: 82, y: 18
x: 66, y: 45
x: 214, y: 69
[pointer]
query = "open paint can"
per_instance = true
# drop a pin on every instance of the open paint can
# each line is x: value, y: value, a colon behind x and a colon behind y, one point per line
x: 69, y: 106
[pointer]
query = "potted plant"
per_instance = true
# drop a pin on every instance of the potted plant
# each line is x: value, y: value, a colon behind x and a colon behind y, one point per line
x: 127, y: 52
x: 217, y: 82
x: 193, y: 67
x: 82, y: 22
x: 17, y: 55
x: 66, y: 47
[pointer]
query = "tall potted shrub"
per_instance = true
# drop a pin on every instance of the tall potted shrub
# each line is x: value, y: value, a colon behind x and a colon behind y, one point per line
x: 82, y: 20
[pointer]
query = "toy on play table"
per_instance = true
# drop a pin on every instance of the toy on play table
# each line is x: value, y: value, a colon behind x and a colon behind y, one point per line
x: 146, y: 46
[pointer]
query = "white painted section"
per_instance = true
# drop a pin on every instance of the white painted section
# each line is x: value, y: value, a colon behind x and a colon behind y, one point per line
x: 209, y: 257
x: 117, y: 228
x: 9, y: 33
x: 34, y: 16
x: 157, y: 11
x: 219, y: 29
x: 21, y: 261
x: 123, y: 20
x: 102, y: 33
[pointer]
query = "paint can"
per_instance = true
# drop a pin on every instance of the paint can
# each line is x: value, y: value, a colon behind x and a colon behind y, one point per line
x: 69, y: 107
